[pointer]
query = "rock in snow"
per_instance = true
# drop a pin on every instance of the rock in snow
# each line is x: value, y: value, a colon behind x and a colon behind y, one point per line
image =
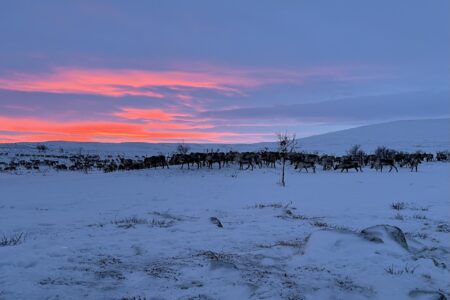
x: 216, y: 222
x: 382, y: 233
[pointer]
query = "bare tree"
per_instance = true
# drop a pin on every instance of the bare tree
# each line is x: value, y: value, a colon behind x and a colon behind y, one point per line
x: 183, y: 149
x: 286, y: 144
x: 356, y: 153
x: 383, y: 152
x: 355, y: 150
x: 41, y: 148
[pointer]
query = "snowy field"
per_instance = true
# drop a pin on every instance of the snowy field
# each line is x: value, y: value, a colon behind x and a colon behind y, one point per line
x: 148, y: 234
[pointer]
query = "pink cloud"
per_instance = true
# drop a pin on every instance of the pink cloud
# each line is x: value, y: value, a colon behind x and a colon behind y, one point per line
x: 119, y: 82
x: 159, y: 119
x: 145, y: 114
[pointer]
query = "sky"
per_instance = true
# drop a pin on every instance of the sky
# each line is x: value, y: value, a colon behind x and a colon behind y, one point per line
x: 217, y: 71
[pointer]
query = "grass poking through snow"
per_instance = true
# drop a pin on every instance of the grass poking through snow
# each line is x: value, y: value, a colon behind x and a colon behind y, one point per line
x: 12, y: 240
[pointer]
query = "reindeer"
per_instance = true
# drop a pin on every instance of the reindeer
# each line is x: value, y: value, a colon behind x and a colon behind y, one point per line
x: 110, y: 167
x: 429, y: 157
x: 379, y: 163
x: 156, y: 161
x: 412, y: 161
x: 183, y: 159
x: 443, y: 156
x: 305, y: 165
x: 346, y: 165
x: 212, y: 158
x: 61, y: 167
x: 228, y: 158
x: 246, y: 158
x: 270, y: 158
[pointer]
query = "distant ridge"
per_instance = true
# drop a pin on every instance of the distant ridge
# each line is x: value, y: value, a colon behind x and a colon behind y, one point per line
x: 409, y: 135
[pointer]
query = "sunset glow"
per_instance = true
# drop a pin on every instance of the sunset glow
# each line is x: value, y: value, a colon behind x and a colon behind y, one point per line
x: 79, y: 73
x: 39, y: 130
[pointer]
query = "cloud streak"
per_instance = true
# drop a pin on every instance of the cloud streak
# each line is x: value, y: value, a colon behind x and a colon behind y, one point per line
x: 408, y: 105
x: 149, y: 83
x: 130, y: 113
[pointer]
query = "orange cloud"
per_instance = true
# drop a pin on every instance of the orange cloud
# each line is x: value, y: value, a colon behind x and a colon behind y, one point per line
x: 27, y: 130
x: 158, y: 119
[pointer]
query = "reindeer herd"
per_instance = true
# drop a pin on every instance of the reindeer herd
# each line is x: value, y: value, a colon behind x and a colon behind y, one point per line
x: 355, y: 159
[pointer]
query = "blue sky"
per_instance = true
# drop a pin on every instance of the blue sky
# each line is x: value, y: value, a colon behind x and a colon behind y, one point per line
x: 210, y: 71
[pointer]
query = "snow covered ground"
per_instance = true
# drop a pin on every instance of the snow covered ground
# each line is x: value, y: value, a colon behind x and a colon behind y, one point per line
x: 148, y: 234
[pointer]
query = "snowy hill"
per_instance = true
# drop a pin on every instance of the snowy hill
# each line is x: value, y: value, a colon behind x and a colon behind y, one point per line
x: 414, y: 135
x: 426, y: 135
